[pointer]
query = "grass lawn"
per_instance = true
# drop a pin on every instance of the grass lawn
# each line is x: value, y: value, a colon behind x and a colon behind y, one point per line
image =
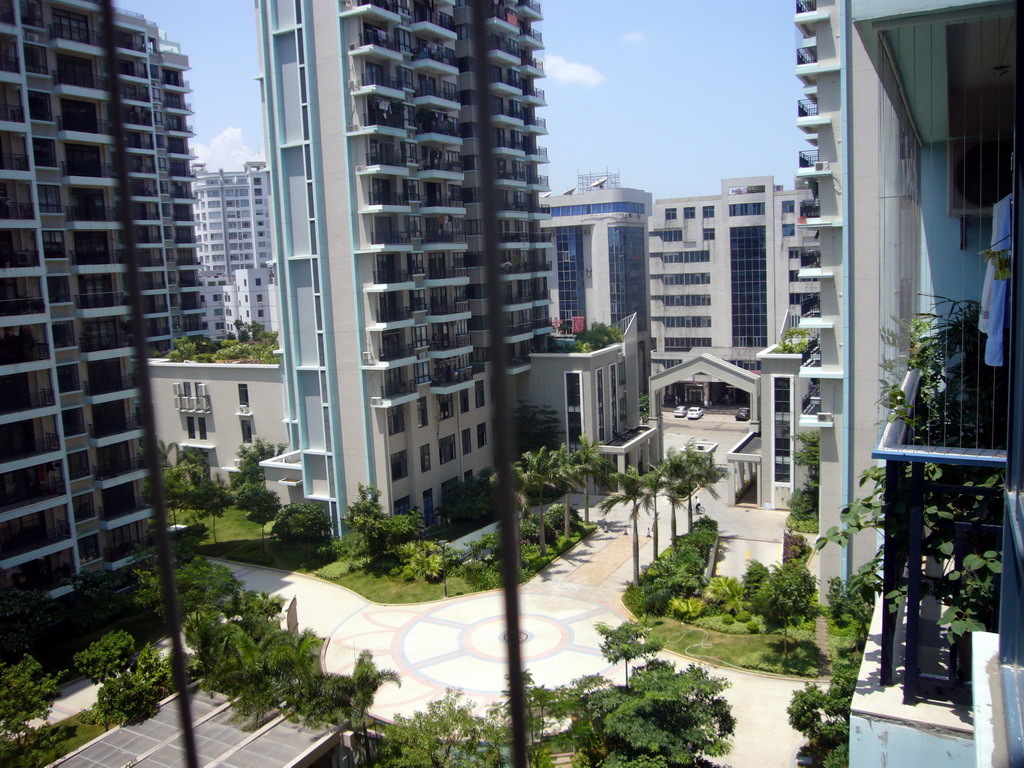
x: 381, y: 588
x: 73, y: 734
x: 239, y: 540
x: 760, y: 652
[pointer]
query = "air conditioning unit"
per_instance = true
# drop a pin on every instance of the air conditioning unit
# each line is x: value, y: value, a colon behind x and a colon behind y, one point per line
x: 31, y: 37
x: 368, y: 358
x: 176, y: 387
x: 193, y: 403
x: 824, y: 417
x: 821, y: 165
x: 177, y: 403
x: 244, y: 409
x: 376, y: 402
x: 200, y: 389
x: 979, y: 174
x: 204, y: 403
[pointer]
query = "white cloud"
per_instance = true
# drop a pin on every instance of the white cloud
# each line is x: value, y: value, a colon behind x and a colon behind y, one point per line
x: 572, y: 72
x: 633, y: 38
x: 228, y: 150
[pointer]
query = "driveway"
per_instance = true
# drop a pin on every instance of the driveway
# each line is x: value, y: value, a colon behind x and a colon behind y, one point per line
x: 721, y: 428
x: 460, y: 642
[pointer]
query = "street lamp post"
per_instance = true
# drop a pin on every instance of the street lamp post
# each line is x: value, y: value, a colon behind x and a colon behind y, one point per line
x: 444, y: 567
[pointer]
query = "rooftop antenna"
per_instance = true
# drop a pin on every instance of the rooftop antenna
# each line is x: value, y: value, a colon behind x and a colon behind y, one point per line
x: 605, y: 179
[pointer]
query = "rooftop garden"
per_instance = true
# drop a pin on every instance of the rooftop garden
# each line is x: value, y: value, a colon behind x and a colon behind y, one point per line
x: 251, y: 344
x: 598, y: 336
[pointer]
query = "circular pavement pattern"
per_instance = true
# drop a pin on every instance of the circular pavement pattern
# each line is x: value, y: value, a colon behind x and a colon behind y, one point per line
x: 462, y: 644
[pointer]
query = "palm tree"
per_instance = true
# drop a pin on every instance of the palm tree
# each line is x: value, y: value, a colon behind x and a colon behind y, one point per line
x: 676, y: 485
x: 538, y: 474
x: 367, y: 679
x: 728, y: 591
x: 164, y: 451
x: 653, y: 483
x: 592, y: 466
x: 633, y: 489
x: 705, y: 474
x: 568, y: 478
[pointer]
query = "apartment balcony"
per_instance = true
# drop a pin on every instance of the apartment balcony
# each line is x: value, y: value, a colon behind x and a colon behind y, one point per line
x: 532, y: 66
x: 447, y: 311
x: 382, y: 10
x: 535, y: 153
x: 109, y: 513
x: 395, y: 393
x: 380, y: 122
x: 516, y: 332
x: 393, y: 353
x: 391, y: 280
x: 440, y: 169
x: 35, y: 538
x: 375, y: 43
x: 17, y: 402
x: 389, y: 240
x: 443, y: 95
x: 103, y: 300
x: 533, y: 96
x: 45, y: 573
x: 27, y: 305
x: 436, y: 23
x: 21, y: 259
x: 379, y: 84
x: 76, y: 34
x: 530, y: 37
x: 125, y: 549
x: 811, y: 166
x: 30, y: 493
x: 92, y: 342
x: 445, y: 379
x: 109, y: 384
x: 807, y: 55
x: 12, y: 113
x: 535, y: 125
x: 67, y: 82
x: 17, y: 211
x: 9, y: 162
x: 117, y: 468
x: 387, y: 162
x: 439, y: 275
x: 394, y: 316
x: 444, y: 237
x: 439, y: 129
x: 91, y: 213
x: 529, y: 9
x: 16, y: 350
x: 111, y: 427
x: 808, y: 15
x: 435, y: 58
x: 13, y: 450
x: 447, y: 206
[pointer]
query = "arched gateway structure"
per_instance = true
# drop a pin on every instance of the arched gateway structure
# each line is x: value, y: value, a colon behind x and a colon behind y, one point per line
x: 743, y: 469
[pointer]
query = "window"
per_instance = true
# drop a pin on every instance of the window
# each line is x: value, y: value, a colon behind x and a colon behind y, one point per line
x: 89, y: 548
x: 480, y: 397
x: 243, y: 393
x: 686, y: 257
x: 396, y: 420
x: 464, y: 401
x: 49, y: 198
x: 35, y: 59
x: 709, y: 233
x: 44, y: 153
x: 246, y: 431
x: 789, y: 230
x: 190, y: 427
x: 422, y: 418
x: 687, y: 278
x: 39, y: 106
x: 467, y: 441
x: 402, y: 506
x: 425, y: 458
x: 686, y: 321
x: 683, y: 343
x: 399, y: 465
x: 202, y: 427
x: 689, y: 212
x: 670, y: 214
x: 708, y: 212
x: 444, y: 407
x: 668, y: 235
x: 789, y: 206
x: 746, y: 209
x: 481, y: 435
x: 446, y: 449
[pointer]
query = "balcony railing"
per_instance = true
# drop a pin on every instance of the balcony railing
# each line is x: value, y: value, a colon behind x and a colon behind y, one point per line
x: 99, y: 300
x: 34, y: 538
x: 387, y: 237
x: 435, y: 53
x: 386, y: 276
x: 806, y: 108
x: 395, y: 352
x: 398, y: 388
x: 810, y: 209
x: 808, y: 55
x: 124, y: 549
x: 808, y: 158
x: 373, y: 37
x: 444, y: 272
x: 15, y: 259
x: 11, y: 210
x: 806, y: 6
x: 12, y: 113
x: 87, y: 168
x: 444, y: 236
x: 115, y: 468
x: 446, y: 91
x: 75, y: 33
x: 26, y: 494
x: 811, y: 357
x: 378, y: 78
x: 811, y: 306
x: 13, y: 162
x: 79, y: 79
x: 445, y: 126
x: 810, y: 258
x: 443, y: 375
x: 123, y: 509
x: 113, y: 427
x: 382, y: 157
x: 393, y: 314
x: 391, y: 119
x: 437, y: 18
x: 17, y: 450
x: 90, y: 213
x: 11, y: 403
x: 441, y: 164
x: 106, y: 385
x: 99, y: 342
x: 811, y: 404
x: 29, y: 305
x: 456, y: 341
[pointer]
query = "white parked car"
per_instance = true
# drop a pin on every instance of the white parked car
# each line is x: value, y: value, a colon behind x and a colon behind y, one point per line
x: 680, y: 412
x: 694, y: 412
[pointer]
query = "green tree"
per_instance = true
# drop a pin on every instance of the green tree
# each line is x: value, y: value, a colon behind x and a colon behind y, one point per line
x: 98, y: 598
x: 384, y: 534
x: 367, y: 679
x: 471, y: 498
x: 823, y: 715
x: 249, y: 456
x: 182, y: 482
x: 539, y: 475
x: 593, y: 467
x: 598, y: 336
x: 787, y: 594
x: 535, y: 427
x: 260, y: 504
x: 627, y: 642
x: 106, y: 658
x: 202, y: 586
x: 568, y: 478
x: 26, y: 698
x: 304, y: 523
x: 635, y: 490
x: 705, y: 475
x: 665, y: 717
x: 24, y: 613
x: 211, y: 499
x: 446, y: 735
x: 164, y: 450
x: 134, y: 694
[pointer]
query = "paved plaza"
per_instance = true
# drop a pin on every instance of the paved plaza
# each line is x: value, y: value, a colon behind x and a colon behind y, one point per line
x: 460, y: 642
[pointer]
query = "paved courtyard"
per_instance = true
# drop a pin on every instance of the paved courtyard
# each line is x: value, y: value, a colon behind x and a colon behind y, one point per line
x: 460, y: 642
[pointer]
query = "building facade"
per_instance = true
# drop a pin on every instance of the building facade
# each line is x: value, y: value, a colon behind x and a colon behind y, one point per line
x: 246, y: 296
x: 217, y: 407
x: 232, y: 215
x: 374, y: 170
x: 723, y: 271
x: 71, y: 477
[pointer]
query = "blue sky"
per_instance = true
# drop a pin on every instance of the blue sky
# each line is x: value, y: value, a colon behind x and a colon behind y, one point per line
x: 674, y: 95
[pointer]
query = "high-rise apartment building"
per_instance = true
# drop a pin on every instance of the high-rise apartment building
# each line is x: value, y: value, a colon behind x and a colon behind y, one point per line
x: 724, y: 271
x: 246, y: 296
x: 232, y: 210
x: 71, y: 477
x: 375, y: 176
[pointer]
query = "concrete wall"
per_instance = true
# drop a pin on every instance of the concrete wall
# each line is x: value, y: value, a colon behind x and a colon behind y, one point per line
x: 221, y: 411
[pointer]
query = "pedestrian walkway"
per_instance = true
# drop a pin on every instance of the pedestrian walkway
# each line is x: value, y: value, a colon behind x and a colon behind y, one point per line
x: 461, y: 642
